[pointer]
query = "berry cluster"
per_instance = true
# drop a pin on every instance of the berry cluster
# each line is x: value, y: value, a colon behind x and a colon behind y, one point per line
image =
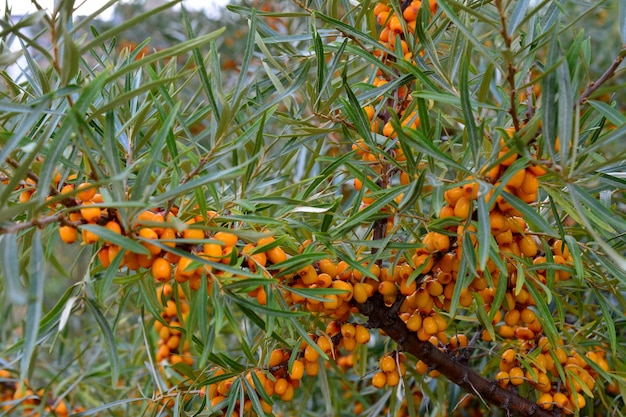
x: 13, y: 392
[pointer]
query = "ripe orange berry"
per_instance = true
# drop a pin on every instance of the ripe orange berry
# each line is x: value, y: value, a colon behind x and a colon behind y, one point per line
x: 429, y: 325
x: 517, y: 179
x: 91, y: 214
x: 276, y: 358
x: 229, y: 239
x: 414, y: 323
x: 150, y: 234
x: 462, y: 208
x: 387, y: 364
x: 68, y: 234
x: 393, y: 378
x: 193, y: 234
x: 362, y: 291
x: 524, y: 333
x: 530, y: 184
x: 453, y: 195
x: 297, y: 370
x: 516, y: 376
x: 421, y: 367
x: 362, y: 335
x: 84, y: 192
x: 327, y: 266
x: 379, y: 379
x: 502, y: 378
x: 276, y: 255
x: 89, y: 237
x: 161, y: 270
x: 183, y: 267
x: 560, y: 400
x: 312, y: 368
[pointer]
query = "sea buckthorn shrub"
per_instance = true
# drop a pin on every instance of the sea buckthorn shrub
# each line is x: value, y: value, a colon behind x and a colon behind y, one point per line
x: 394, y: 208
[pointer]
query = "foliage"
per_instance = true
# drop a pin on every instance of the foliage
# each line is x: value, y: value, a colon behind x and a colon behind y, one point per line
x: 191, y: 231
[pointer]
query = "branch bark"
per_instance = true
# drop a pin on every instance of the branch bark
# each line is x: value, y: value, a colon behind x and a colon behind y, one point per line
x: 382, y: 317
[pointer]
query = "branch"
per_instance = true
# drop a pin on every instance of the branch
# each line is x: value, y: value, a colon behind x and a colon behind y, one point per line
x: 381, y: 316
x: 594, y: 85
x: 38, y: 222
x: 510, y: 68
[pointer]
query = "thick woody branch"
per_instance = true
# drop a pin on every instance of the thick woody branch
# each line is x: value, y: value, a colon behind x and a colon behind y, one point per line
x: 382, y: 317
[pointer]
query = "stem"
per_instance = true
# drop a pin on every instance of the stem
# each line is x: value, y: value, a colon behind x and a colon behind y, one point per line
x: 38, y: 222
x: 380, y: 316
x: 594, y: 85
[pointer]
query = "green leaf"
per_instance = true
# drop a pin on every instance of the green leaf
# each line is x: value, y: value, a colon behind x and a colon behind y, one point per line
x: 109, y: 340
x: 545, y: 315
x: 369, y: 211
x: 517, y: 16
x: 531, y: 216
x: 468, y: 113
x: 112, y: 404
x: 14, y: 294
x: 34, y: 309
x: 260, y: 309
x: 610, y: 112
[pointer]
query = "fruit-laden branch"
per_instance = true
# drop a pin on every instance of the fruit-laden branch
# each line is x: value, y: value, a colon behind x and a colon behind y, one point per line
x: 385, y: 318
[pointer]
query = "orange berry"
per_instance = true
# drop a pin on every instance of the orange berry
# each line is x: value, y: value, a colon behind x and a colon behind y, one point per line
x: 229, y: 239
x: 362, y: 335
x: 276, y: 358
x: 453, y: 195
x: 462, y: 208
x: 379, y: 379
x: 393, y: 379
x: 91, y: 214
x: 516, y: 376
x: 193, y: 234
x: 545, y: 401
x: 84, y: 192
x: 297, y: 370
x: 560, y: 400
x: 68, y: 234
x: 387, y: 364
x: 421, y: 367
x: 429, y: 325
x: 530, y: 184
x: 89, y: 237
x: 524, y: 333
x: 327, y: 266
x: 276, y: 255
x: 502, y: 378
x: 161, y: 270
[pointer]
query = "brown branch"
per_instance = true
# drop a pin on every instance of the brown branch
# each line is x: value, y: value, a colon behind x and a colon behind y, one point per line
x: 380, y: 316
x: 38, y: 222
x: 594, y: 85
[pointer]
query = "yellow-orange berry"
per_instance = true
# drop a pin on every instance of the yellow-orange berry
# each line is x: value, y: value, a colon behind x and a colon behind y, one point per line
x: 379, y: 379
x: 68, y: 234
x: 387, y: 364
x: 297, y: 370
x: 91, y: 214
x: 362, y: 335
x: 161, y: 270
x: 516, y: 376
x: 229, y: 239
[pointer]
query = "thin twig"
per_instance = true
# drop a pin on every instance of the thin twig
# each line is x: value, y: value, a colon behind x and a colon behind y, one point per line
x: 39, y: 222
x: 594, y: 85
